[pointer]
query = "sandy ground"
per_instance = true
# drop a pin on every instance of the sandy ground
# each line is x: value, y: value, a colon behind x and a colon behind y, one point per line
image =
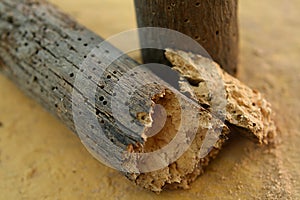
x: 41, y: 159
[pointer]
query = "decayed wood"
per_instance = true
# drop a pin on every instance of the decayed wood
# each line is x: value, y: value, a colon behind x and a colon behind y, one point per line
x: 212, y: 23
x: 246, y: 112
x: 246, y: 109
x: 42, y: 49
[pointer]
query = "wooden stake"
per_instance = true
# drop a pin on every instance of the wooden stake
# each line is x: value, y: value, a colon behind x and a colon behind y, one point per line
x: 212, y: 23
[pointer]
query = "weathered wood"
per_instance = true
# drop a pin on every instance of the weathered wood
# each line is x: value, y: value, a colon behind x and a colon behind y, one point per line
x: 42, y: 50
x: 247, y: 111
x: 212, y: 23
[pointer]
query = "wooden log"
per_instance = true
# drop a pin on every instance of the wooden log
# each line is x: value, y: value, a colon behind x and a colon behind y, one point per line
x: 46, y: 53
x: 212, y: 23
x: 43, y: 51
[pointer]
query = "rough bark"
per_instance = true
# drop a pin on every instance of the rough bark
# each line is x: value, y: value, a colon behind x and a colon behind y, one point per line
x: 212, y: 23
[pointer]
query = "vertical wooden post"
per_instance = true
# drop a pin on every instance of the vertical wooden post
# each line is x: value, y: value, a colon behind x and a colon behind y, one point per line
x: 212, y: 23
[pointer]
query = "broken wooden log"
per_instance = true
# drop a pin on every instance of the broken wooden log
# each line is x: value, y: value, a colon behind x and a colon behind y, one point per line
x: 246, y: 112
x: 212, y: 23
x: 52, y: 59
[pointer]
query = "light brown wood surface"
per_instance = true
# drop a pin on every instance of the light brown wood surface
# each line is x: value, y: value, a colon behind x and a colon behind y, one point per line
x: 42, y: 159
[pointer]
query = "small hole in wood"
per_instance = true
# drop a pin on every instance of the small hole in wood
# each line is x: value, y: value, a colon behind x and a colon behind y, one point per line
x: 35, y: 79
x: 97, y: 112
x: 79, y: 39
x: 102, y: 86
x: 186, y: 21
x: 10, y: 19
x: 72, y: 75
x: 108, y: 77
x: 197, y: 4
x: 106, y: 51
x: 253, y: 104
x: 54, y: 88
x: 25, y: 44
x: 90, y: 77
x: 101, y: 98
x: 114, y: 72
x: 205, y: 106
x: 93, y: 55
x: 104, y: 102
x: 85, y: 44
x: 99, y: 62
x: 217, y: 32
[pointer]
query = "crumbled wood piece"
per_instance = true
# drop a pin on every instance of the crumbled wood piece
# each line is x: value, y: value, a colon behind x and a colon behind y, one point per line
x: 247, y: 111
x: 189, y: 166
